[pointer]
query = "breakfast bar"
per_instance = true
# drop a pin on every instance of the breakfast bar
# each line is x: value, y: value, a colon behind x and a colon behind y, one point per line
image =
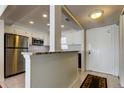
x: 50, y: 69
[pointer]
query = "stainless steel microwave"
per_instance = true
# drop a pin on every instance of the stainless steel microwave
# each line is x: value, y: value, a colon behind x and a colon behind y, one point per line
x: 37, y: 42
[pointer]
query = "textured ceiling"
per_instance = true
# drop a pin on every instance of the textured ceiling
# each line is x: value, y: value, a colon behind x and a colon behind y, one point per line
x: 110, y: 16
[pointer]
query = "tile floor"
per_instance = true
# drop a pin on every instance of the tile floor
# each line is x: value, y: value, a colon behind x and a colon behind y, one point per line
x: 18, y: 81
x: 112, y: 81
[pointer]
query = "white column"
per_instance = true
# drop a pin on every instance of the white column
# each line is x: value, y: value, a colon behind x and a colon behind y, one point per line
x: 55, y: 28
x: 121, y: 47
x: 27, y: 69
x: 1, y: 51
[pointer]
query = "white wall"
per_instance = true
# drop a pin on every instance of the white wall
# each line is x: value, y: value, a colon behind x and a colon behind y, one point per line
x: 112, y: 55
x: 1, y: 51
x: 2, y: 8
x: 121, y: 53
x: 20, y: 30
x: 115, y: 40
x: 75, y: 39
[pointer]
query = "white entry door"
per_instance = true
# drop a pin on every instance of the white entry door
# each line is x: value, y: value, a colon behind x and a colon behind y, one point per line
x: 101, y: 50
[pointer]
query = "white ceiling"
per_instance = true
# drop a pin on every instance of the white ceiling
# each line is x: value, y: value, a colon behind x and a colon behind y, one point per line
x: 110, y: 16
x: 22, y: 14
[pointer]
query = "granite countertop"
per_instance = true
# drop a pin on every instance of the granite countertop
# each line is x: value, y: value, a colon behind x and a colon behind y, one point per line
x: 39, y: 53
x: 54, y: 52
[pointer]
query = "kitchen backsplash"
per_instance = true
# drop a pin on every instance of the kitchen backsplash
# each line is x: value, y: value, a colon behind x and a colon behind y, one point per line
x: 33, y: 48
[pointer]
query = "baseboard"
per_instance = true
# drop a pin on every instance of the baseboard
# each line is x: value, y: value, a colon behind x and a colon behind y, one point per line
x: 102, y: 73
x: 71, y: 85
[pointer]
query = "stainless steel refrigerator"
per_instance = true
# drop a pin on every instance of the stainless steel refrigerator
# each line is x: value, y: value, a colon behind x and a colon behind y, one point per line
x: 14, y: 61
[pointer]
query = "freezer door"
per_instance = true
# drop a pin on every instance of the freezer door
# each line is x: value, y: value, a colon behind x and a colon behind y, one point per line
x: 14, y: 61
x: 9, y: 40
x: 23, y: 42
x: 16, y: 41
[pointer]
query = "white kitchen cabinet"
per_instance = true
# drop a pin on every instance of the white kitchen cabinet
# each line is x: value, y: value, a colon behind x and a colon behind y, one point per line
x: 73, y: 37
x: 19, y: 30
x: 8, y: 29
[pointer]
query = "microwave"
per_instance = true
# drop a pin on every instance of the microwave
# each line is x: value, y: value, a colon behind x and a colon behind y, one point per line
x: 37, y: 42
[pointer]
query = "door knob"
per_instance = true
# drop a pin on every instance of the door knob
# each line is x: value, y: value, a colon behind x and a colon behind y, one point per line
x: 89, y: 52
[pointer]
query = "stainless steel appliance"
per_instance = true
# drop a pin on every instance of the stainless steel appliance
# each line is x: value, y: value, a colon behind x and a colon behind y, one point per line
x: 37, y: 42
x: 14, y: 61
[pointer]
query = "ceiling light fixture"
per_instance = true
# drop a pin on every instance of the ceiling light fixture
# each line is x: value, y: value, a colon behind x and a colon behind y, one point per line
x: 62, y: 26
x: 44, y: 15
x: 96, y: 14
x: 31, y: 22
x: 48, y: 24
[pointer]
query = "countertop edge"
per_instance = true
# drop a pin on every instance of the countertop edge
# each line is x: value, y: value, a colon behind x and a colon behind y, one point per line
x: 39, y: 53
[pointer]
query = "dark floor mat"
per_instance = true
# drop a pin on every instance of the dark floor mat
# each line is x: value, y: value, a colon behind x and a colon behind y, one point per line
x: 92, y: 81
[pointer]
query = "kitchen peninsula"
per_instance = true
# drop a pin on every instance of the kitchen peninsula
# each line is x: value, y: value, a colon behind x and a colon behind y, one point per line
x: 50, y: 69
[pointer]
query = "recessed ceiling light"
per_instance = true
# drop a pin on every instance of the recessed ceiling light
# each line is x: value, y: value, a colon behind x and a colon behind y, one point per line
x: 48, y: 24
x: 44, y: 15
x: 96, y: 14
x: 31, y: 22
x: 62, y: 26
